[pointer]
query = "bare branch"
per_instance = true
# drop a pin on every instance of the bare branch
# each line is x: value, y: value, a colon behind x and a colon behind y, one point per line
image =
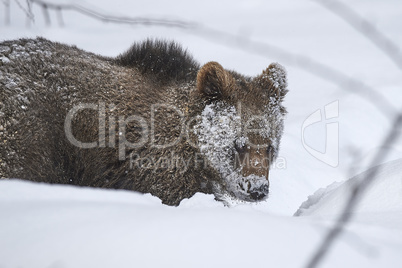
x: 309, y: 65
x: 116, y: 19
x: 60, y: 17
x: 316, y: 68
x: 393, y: 52
x: 356, y: 193
x: 7, y: 12
x: 366, y: 28
x: 46, y: 14
x: 28, y: 12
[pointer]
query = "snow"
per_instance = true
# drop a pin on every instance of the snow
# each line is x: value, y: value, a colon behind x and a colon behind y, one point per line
x: 63, y: 226
x: 4, y: 59
x: 217, y: 130
x: 277, y: 75
x: 382, y: 197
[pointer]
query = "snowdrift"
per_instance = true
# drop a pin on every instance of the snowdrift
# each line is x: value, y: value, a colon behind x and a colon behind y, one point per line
x: 381, y: 203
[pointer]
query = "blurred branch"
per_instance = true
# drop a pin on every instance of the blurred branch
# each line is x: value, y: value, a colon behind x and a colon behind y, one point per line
x: 366, y: 28
x: 46, y: 14
x: 309, y: 65
x: 28, y: 11
x: 393, y: 52
x: 316, y: 68
x: 6, y: 12
x: 114, y: 19
x: 60, y: 17
x: 356, y: 193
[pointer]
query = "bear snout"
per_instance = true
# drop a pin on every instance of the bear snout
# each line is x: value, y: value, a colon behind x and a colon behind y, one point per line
x: 259, y: 193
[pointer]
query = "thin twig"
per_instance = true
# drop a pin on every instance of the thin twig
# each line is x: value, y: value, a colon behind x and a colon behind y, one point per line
x: 309, y: 65
x: 7, y: 12
x: 366, y: 28
x: 60, y: 17
x: 115, y: 19
x: 393, y: 52
x: 27, y: 12
x: 46, y: 14
x: 316, y: 68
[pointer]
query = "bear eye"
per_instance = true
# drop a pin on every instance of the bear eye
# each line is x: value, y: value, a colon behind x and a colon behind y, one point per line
x: 270, y: 151
x: 269, y: 148
x: 240, y: 147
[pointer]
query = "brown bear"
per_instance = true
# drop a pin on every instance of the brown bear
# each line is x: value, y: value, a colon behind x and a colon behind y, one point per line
x: 150, y: 120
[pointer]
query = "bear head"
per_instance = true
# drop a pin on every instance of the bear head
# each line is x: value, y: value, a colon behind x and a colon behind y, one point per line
x: 240, y: 127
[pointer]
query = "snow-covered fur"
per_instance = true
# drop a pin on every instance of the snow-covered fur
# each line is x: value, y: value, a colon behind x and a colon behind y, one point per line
x: 150, y: 120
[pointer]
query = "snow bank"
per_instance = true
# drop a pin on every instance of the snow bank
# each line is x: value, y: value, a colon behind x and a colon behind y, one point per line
x: 64, y: 226
x: 381, y: 201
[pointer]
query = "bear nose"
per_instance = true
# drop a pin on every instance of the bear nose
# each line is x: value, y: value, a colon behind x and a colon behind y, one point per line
x: 257, y: 196
x: 259, y: 193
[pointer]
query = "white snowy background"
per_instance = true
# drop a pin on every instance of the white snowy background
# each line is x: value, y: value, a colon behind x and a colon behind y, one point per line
x: 58, y: 226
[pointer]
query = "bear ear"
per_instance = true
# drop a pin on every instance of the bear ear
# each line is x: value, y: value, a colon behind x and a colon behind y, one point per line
x: 274, y: 80
x: 213, y: 81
